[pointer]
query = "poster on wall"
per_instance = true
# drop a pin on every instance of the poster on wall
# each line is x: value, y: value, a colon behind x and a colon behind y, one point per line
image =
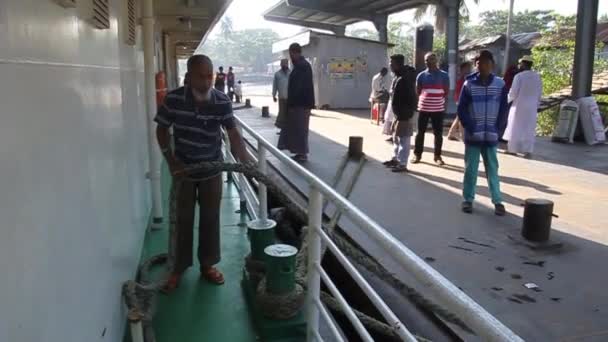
x: 341, y: 68
x: 361, y: 64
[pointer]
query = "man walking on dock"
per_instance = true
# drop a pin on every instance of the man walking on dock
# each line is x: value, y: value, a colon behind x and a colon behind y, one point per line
x: 300, y: 102
x: 403, y: 104
x: 231, y: 81
x: 197, y: 112
x: 525, y: 96
x: 481, y: 109
x: 220, y: 80
x: 280, y: 84
x: 433, y: 87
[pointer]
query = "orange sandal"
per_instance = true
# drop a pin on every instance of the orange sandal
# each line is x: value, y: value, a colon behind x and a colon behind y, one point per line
x: 172, y: 283
x: 213, y: 275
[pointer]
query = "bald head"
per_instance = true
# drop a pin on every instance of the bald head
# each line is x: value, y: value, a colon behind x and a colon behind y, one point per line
x: 284, y: 64
x: 200, y: 73
x: 195, y: 60
x: 430, y: 59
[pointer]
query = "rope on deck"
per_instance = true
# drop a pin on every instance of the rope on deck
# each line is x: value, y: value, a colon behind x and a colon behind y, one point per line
x: 139, y: 294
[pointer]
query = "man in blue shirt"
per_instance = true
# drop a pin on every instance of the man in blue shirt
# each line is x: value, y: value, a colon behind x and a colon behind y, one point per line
x: 482, y: 108
x: 197, y: 112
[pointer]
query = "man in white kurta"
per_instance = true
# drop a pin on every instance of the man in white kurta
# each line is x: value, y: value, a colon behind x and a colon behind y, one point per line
x: 525, y: 96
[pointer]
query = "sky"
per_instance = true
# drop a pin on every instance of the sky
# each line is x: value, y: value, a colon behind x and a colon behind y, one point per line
x: 247, y: 14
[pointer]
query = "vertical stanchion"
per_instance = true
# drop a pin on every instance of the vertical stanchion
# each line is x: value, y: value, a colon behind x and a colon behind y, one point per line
x: 150, y: 95
x: 315, y: 205
x: 262, y: 190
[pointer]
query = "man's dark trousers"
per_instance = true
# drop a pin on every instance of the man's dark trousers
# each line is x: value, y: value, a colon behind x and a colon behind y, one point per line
x: 437, y: 123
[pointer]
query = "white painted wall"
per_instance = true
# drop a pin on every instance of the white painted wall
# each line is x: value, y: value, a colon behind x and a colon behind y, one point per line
x: 74, y: 201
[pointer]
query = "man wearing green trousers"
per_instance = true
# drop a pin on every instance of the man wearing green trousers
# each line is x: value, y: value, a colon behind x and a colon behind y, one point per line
x: 482, y: 108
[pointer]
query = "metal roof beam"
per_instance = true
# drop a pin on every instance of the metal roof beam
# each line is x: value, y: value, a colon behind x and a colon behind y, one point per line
x: 327, y: 27
x: 317, y: 5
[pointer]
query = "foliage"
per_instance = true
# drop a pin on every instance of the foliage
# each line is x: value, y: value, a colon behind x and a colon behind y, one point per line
x: 495, y: 22
x: 439, y: 48
x: 362, y: 33
x: 250, y: 49
x: 402, y: 35
x: 226, y: 28
x: 555, y: 68
x: 399, y: 33
x: 440, y: 13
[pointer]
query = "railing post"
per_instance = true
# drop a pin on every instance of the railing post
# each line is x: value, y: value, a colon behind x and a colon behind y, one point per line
x: 315, y: 212
x: 262, y: 190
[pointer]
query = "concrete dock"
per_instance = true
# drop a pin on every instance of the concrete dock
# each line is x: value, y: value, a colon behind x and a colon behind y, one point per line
x: 482, y: 254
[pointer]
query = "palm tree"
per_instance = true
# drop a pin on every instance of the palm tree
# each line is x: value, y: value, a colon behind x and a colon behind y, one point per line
x: 441, y: 14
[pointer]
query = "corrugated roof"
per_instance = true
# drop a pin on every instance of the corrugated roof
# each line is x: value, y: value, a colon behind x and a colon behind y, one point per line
x: 335, y: 14
x: 481, y: 43
x: 602, y: 32
x: 527, y: 40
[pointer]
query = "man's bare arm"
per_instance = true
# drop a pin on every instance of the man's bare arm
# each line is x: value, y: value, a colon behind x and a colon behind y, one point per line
x: 238, y: 146
x: 164, y: 141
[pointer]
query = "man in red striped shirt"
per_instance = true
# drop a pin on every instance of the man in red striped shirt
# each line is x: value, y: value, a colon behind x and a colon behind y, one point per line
x: 433, y: 86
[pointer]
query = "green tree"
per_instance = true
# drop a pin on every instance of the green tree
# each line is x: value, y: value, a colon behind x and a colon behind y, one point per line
x: 226, y: 28
x: 441, y: 14
x: 402, y: 36
x: 440, y: 48
x: 495, y: 22
x: 554, y: 64
x: 362, y: 33
x: 251, y: 49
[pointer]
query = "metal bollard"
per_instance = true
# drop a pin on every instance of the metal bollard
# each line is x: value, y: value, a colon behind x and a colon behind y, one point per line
x: 247, y: 103
x: 355, y: 147
x: 537, y: 219
x: 280, y: 268
x: 265, y: 112
x: 261, y: 235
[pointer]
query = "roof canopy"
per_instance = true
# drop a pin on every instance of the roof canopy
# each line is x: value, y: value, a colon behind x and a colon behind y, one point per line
x: 187, y: 23
x: 335, y: 15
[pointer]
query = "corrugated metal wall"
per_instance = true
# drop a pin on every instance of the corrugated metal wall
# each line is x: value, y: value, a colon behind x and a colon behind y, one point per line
x: 344, y: 93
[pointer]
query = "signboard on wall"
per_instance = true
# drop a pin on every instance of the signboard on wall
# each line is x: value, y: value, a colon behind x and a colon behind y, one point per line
x: 341, y: 68
x: 361, y: 64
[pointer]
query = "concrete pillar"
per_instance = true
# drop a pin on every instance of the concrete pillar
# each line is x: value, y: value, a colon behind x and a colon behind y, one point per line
x: 586, y: 25
x: 423, y: 43
x: 452, y: 51
x: 381, y: 24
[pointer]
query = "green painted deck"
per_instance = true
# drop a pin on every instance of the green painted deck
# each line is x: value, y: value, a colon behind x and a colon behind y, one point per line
x: 199, y: 311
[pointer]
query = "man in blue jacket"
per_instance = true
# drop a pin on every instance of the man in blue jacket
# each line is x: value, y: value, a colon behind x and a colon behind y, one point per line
x: 482, y: 108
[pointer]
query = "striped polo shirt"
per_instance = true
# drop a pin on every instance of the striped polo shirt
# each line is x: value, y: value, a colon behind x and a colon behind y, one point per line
x: 196, y: 128
x: 432, y: 85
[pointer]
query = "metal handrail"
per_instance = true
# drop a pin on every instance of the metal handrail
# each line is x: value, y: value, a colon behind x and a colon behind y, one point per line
x: 332, y: 326
x: 348, y: 311
x: 385, y: 311
x: 446, y: 293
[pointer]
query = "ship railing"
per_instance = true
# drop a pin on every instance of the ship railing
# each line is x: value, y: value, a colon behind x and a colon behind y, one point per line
x: 446, y: 294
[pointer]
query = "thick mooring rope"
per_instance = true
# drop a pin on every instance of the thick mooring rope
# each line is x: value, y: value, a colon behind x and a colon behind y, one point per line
x: 140, y: 294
